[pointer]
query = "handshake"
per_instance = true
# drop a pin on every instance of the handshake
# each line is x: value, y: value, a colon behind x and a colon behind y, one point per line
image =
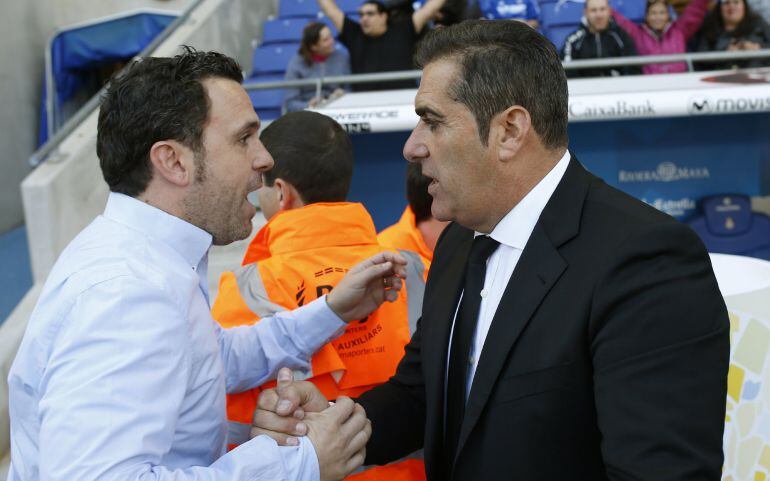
x: 339, y: 431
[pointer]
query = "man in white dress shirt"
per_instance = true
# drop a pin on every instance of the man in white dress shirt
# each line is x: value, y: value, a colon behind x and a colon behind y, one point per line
x: 122, y: 372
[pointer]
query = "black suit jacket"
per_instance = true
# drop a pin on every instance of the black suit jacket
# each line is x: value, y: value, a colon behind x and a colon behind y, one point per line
x: 607, y: 357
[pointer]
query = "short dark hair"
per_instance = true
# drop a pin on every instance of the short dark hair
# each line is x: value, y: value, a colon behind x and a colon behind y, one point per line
x: 155, y: 99
x: 503, y: 63
x: 310, y: 36
x: 377, y: 3
x: 313, y: 153
x: 417, y: 192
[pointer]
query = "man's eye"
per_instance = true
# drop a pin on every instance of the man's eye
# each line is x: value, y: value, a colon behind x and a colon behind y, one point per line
x: 245, y: 139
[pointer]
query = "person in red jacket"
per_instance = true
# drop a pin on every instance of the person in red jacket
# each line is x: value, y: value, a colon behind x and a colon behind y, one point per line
x: 659, y: 35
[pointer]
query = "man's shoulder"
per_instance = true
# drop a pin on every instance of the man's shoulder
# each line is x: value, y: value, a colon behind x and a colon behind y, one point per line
x: 577, y: 34
x: 612, y: 217
x: 107, y: 251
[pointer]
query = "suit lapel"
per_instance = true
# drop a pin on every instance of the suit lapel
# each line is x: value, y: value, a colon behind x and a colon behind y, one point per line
x: 437, y: 324
x: 538, y: 269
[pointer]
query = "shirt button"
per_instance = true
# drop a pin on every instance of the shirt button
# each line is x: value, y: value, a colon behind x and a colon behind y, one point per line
x: 471, y: 360
x: 484, y: 293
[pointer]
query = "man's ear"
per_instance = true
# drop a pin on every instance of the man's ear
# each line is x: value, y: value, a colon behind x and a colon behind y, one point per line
x: 173, y: 162
x: 512, y: 126
x: 288, y: 196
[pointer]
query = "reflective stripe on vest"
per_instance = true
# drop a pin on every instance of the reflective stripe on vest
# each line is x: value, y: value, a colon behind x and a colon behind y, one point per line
x: 238, y: 433
x: 253, y: 291
x: 415, y: 287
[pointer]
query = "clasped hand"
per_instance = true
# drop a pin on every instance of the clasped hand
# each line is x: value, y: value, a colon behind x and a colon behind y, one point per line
x: 339, y: 432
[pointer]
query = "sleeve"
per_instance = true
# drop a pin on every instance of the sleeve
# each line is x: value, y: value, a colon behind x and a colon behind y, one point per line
x: 292, y: 97
x: 351, y: 34
x: 692, y: 17
x: 252, y: 355
x: 397, y: 409
x: 112, y: 392
x: 624, y: 23
x: 568, y: 49
x: 659, y: 340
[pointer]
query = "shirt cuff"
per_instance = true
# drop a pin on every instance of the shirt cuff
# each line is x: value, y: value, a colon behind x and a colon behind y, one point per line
x: 317, y: 325
x: 261, y: 459
x: 300, y: 462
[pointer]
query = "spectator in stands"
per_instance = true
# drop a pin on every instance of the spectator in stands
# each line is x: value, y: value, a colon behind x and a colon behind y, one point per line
x: 733, y: 26
x: 598, y: 37
x: 316, y: 57
x: 377, y: 45
x: 660, y: 36
x: 312, y: 238
x: 417, y: 230
x: 526, y: 11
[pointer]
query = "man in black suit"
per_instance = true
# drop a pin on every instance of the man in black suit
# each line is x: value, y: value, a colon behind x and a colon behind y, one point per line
x: 569, y: 331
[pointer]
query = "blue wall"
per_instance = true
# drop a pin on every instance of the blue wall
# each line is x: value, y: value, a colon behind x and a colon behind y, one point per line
x: 699, y: 156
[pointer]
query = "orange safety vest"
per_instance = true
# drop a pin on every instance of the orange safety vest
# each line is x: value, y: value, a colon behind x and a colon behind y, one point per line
x: 405, y: 235
x: 298, y: 256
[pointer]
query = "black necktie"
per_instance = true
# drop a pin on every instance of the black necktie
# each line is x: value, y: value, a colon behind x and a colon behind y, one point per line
x: 462, y: 337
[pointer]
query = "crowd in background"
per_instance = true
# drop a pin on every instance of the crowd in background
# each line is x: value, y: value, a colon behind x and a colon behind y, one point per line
x: 383, y: 37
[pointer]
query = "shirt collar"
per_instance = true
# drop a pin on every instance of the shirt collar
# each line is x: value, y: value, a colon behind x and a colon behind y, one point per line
x: 191, y: 242
x: 515, y: 228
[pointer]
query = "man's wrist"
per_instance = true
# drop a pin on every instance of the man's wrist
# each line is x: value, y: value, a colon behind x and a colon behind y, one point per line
x: 332, y: 305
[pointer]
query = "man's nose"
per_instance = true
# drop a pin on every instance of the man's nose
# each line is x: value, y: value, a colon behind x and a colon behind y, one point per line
x: 415, y: 150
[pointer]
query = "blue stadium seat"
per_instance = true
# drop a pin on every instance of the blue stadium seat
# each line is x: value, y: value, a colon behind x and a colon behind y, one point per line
x: 633, y: 9
x: 267, y: 103
x: 349, y: 6
x: 273, y: 58
x: 557, y: 35
x: 284, y: 30
x: 553, y: 14
x: 299, y: 8
x: 728, y: 226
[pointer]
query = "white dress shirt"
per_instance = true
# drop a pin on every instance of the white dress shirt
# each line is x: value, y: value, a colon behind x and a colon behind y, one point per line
x: 122, y: 372
x: 512, y: 232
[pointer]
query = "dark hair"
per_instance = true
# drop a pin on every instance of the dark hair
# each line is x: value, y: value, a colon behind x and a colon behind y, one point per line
x: 417, y: 192
x: 650, y: 3
x: 310, y: 36
x: 503, y: 63
x: 377, y: 3
x: 155, y: 99
x: 313, y: 153
x: 714, y: 24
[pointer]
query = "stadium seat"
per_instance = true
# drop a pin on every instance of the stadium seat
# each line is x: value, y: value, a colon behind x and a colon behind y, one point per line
x: 267, y: 103
x: 285, y: 30
x: 554, y: 14
x: 299, y: 8
x: 633, y: 9
x: 558, y: 35
x: 728, y: 226
x: 273, y: 58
